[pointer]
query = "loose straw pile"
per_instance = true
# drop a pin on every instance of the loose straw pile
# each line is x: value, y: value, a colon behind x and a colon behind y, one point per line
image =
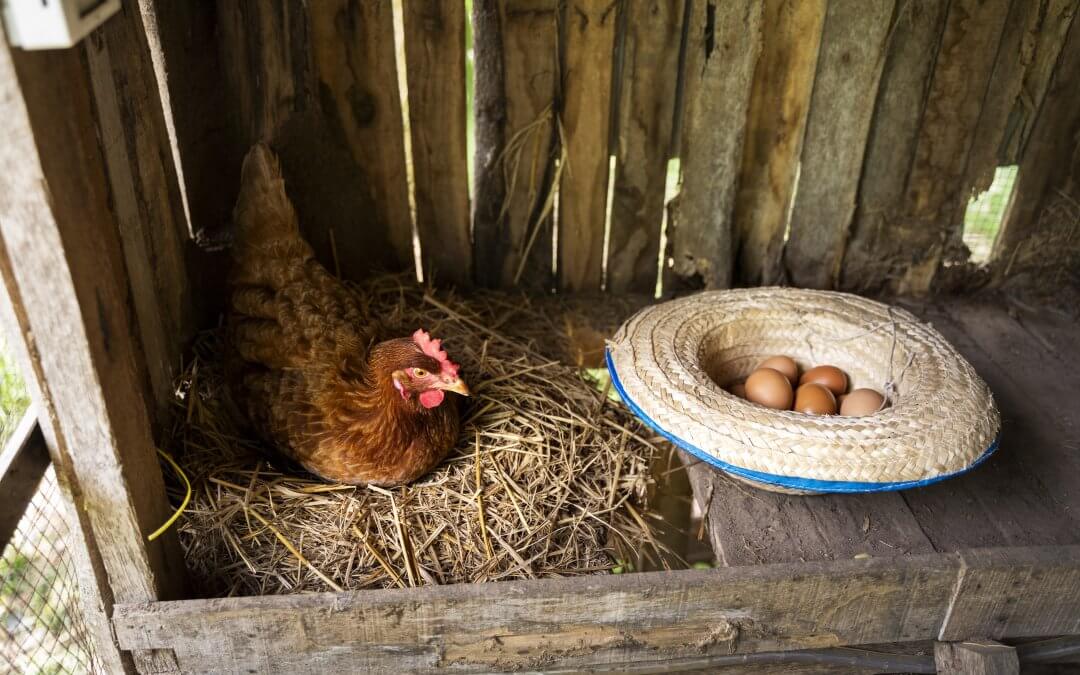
x: 549, y: 477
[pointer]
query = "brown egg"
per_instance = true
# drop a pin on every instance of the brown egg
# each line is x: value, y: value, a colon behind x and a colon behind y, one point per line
x: 785, y: 364
x: 769, y: 388
x: 861, y: 402
x: 738, y: 388
x: 830, y: 377
x: 815, y: 399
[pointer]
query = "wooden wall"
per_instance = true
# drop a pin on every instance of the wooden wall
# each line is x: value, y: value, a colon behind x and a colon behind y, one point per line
x: 822, y: 143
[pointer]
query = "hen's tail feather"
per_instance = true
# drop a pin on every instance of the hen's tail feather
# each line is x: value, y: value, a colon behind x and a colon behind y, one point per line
x: 263, y: 212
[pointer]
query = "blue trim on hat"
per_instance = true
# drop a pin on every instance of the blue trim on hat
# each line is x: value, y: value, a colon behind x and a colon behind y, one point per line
x: 789, y: 482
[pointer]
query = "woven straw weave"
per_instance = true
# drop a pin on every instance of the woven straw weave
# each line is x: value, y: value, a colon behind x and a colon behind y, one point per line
x: 672, y: 360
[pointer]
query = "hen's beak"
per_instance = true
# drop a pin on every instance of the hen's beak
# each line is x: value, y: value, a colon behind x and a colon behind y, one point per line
x: 458, y: 386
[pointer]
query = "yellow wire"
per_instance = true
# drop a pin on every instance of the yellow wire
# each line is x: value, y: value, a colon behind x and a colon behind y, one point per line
x: 183, y: 505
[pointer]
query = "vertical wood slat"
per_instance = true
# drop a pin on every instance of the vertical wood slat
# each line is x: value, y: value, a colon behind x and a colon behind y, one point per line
x: 723, y: 47
x: 646, y: 113
x: 853, y: 45
x: 779, y: 104
x: 589, y: 34
x: 145, y: 193
x: 1049, y: 171
x: 516, y: 79
x: 874, y: 255
x: 936, y: 193
x: 435, y: 63
x: 1015, y: 52
x: 1053, y: 24
x: 64, y: 271
x: 318, y: 82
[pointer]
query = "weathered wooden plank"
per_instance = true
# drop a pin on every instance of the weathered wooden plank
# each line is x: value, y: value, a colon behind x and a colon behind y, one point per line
x: 783, y: 83
x: 937, y: 193
x: 650, y: 73
x: 1015, y: 53
x: 854, y: 42
x: 1025, y: 494
x: 748, y: 526
x: 94, y: 594
x: 1047, y: 38
x: 516, y: 78
x: 586, y: 622
x: 588, y: 34
x: 84, y: 359
x: 1015, y: 592
x: 435, y: 60
x: 145, y: 193
x: 1033, y: 241
x: 723, y: 46
x: 873, y: 256
x: 981, y: 657
x: 23, y: 463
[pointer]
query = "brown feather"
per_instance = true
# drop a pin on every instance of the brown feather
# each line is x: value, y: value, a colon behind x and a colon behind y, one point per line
x: 310, y: 371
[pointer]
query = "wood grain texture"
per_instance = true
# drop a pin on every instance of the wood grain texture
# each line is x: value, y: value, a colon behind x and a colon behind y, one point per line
x: 517, y: 75
x: 1015, y: 592
x: 854, y: 41
x: 435, y: 60
x: 23, y: 463
x: 600, y: 622
x: 650, y: 73
x: 723, y: 46
x: 588, y: 47
x: 1033, y: 242
x: 981, y: 657
x: 937, y: 193
x: 748, y: 526
x: 1046, y: 41
x: 81, y: 339
x: 779, y: 104
x: 95, y: 596
x: 607, y: 623
x: 145, y: 194
x: 1026, y: 494
x: 874, y: 257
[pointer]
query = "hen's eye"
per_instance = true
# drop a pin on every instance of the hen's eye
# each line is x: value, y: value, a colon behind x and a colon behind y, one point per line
x: 419, y: 372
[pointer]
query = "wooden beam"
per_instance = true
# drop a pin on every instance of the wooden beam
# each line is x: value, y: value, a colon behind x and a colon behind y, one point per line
x: 977, y: 657
x: 937, y: 192
x: 1039, y: 234
x: 588, y: 34
x: 650, y: 74
x: 435, y: 64
x: 145, y: 194
x: 854, y: 41
x: 874, y: 257
x: 783, y: 83
x: 608, y: 621
x: 516, y: 74
x: 64, y: 271
x: 23, y: 463
x: 723, y: 44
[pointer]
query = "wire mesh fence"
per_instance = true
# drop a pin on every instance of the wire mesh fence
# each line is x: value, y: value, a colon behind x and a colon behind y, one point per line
x: 985, y: 213
x: 41, y: 628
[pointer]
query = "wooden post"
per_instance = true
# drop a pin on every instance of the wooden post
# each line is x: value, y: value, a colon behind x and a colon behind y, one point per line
x: 977, y: 657
x: 62, y: 265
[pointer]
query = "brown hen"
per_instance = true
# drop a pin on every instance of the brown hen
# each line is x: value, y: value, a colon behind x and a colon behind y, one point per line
x: 316, y: 377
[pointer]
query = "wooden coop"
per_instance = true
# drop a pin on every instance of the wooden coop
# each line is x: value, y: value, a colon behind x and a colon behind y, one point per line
x: 532, y: 144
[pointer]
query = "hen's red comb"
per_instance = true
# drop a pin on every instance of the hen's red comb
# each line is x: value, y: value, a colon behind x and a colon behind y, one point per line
x: 433, y: 348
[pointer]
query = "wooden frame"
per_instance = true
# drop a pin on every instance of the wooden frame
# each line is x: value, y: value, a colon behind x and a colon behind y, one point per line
x: 23, y: 464
x: 606, y: 623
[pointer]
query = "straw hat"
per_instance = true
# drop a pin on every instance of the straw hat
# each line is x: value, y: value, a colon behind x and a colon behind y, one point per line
x: 670, y: 361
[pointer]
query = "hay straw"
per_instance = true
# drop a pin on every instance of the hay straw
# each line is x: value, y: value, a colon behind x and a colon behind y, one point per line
x: 544, y: 482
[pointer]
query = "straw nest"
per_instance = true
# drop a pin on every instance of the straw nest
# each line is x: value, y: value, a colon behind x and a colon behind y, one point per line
x: 550, y: 478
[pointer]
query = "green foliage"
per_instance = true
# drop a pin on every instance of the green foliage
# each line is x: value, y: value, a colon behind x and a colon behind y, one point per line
x: 13, y: 398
